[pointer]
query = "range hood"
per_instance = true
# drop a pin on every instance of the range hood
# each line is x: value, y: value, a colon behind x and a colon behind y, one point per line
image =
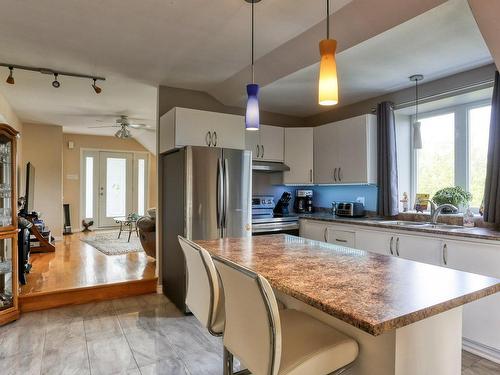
x: 269, y: 166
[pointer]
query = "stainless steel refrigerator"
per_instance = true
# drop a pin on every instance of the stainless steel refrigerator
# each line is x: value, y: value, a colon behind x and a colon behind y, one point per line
x: 206, y: 195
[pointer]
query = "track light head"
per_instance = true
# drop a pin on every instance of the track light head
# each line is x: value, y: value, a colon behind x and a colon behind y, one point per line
x: 55, y: 83
x: 10, y: 78
x: 96, y: 88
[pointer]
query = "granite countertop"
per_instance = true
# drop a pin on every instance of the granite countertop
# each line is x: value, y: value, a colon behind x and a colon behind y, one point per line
x: 375, y: 293
x: 476, y: 232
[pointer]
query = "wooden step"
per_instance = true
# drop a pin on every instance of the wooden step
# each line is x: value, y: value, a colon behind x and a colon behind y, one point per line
x: 76, y: 296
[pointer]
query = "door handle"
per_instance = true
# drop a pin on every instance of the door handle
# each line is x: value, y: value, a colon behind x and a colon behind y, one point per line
x: 397, y: 246
x: 215, y: 139
x: 258, y: 151
x: 445, y: 254
x: 324, y: 234
x: 262, y: 150
x: 310, y: 175
x: 226, y: 192
x: 219, y: 193
x: 335, y: 174
x: 390, y: 246
x: 208, y: 139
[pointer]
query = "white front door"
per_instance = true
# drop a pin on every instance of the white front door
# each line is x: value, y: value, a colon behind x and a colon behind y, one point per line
x: 115, y: 186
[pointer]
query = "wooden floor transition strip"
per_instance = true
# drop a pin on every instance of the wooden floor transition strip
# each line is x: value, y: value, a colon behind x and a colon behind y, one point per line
x: 102, y: 292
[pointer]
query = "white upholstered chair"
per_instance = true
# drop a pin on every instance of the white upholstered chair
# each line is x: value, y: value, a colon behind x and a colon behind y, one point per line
x: 204, y: 296
x: 269, y: 341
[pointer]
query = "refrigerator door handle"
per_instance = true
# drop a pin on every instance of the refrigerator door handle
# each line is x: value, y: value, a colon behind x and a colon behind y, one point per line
x: 226, y: 193
x: 220, y: 193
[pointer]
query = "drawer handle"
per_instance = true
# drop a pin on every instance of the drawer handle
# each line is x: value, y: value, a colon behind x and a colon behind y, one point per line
x: 339, y: 240
x: 390, y: 246
x: 397, y: 246
x: 445, y: 254
x: 326, y: 230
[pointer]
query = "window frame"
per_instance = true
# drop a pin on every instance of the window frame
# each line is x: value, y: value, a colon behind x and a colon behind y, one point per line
x: 461, y: 144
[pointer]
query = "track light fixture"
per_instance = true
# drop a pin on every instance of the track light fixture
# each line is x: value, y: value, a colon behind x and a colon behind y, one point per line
x: 10, y: 78
x: 96, y: 88
x: 55, y: 83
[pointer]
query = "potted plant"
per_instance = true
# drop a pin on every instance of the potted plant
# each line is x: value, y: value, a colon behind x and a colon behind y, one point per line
x: 454, y: 195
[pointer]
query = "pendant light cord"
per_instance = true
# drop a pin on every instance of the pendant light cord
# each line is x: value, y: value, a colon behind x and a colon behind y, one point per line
x: 327, y: 19
x: 253, y: 70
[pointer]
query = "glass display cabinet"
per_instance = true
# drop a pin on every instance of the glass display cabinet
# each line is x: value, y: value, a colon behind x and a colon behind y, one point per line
x: 8, y: 225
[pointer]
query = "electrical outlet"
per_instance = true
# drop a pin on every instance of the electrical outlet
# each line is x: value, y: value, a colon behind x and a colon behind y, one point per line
x: 360, y: 200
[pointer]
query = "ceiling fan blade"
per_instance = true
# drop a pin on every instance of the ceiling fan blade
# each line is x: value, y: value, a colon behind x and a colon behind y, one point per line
x: 138, y: 126
x: 105, y: 126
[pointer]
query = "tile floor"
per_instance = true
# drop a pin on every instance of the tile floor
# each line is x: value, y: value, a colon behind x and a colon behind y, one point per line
x: 137, y: 336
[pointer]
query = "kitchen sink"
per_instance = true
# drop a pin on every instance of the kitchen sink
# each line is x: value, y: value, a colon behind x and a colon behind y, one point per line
x: 443, y: 226
x: 422, y: 224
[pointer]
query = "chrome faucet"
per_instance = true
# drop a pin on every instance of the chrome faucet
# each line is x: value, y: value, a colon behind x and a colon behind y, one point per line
x: 436, y: 210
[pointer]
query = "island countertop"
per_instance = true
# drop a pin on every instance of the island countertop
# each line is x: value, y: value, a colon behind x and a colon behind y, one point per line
x: 373, y: 292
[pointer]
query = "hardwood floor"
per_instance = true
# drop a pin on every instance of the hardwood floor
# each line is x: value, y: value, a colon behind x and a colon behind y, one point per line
x: 77, y: 273
x: 142, y: 335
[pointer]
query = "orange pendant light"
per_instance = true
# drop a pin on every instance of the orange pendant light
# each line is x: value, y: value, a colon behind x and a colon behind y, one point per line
x: 328, y: 90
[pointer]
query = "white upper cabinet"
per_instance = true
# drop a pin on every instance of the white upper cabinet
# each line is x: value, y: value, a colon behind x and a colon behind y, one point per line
x: 267, y: 143
x: 181, y: 127
x: 299, y: 155
x: 345, y: 152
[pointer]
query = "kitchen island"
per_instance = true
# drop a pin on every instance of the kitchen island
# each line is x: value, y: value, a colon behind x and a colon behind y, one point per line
x: 405, y: 315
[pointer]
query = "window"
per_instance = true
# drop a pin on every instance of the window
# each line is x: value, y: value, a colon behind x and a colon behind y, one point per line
x: 436, y: 159
x: 89, y: 187
x: 141, y: 194
x: 454, y: 150
x: 479, y: 128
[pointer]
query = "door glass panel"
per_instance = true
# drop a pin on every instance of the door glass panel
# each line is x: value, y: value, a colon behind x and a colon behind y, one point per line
x: 141, y: 196
x: 6, y: 274
x: 89, y: 187
x: 5, y: 181
x: 116, y: 187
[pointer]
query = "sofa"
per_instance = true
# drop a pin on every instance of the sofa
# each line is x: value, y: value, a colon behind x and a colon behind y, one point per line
x: 147, y: 232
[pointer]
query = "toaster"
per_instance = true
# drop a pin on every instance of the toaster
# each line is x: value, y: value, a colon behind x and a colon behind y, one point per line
x: 350, y: 209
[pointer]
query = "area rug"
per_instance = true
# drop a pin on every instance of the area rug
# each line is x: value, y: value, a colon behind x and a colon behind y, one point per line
x: 108, y: 242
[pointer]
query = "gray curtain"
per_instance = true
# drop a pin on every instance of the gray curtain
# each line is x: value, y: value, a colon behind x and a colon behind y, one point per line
x: 388, y: 202
x: 492, y: 186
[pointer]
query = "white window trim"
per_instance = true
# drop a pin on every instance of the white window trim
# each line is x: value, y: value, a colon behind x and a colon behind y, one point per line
x: 461, y: 111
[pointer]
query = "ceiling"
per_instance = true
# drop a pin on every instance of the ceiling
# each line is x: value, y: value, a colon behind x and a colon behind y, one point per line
x: 204, y: 45
x: 438, y: 43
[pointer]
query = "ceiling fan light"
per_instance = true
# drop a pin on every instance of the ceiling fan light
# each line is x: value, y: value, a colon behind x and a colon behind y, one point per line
x: 55, y: 83
x: 10, y: 78
x: 328, y: 91
x: 252, y: 117
x: 119, y: 133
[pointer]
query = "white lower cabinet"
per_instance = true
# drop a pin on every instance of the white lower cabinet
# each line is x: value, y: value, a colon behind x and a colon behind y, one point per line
x: 313, y: 230
x: 418, y: 248
x: 481, y: 319
x: 376, y: 242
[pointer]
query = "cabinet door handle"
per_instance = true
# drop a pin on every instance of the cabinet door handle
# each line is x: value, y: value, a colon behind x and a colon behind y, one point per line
x: 335, y: 174
x: 262, y: 146
x: 310, y: 175
x: 215, y: 139
x: 390, y: 246
x: 208, y: 139
x: 445, y: 254
x: 258, y: 150
x: 326, y: 230
x: 340, y: 174
x: 397, y: 246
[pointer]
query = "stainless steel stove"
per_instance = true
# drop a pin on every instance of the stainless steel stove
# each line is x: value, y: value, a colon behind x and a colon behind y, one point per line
x: 264, y: 221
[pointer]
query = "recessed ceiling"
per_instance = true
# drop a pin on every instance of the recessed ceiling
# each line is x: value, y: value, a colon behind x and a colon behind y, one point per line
x: 438, y: 43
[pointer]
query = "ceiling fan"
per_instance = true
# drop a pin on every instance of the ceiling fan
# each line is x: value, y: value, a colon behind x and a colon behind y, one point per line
x: 124, y: 125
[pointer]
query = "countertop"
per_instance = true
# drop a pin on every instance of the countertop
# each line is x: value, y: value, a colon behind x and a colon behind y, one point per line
x: 476, y: 232
x: 375, y: 293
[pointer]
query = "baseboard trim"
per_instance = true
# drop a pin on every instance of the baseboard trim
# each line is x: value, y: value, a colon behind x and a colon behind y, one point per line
x: 159, y: 289
x: 481, y: 350
x: 76, y: 296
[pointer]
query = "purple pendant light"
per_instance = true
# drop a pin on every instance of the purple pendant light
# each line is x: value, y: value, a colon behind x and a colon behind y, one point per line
x: 252, y: 120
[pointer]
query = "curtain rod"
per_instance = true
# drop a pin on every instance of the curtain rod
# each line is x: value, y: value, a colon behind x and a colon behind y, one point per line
x: 445, y: 94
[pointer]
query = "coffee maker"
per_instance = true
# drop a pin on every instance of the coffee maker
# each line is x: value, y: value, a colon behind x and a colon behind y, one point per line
x: 303, y: 201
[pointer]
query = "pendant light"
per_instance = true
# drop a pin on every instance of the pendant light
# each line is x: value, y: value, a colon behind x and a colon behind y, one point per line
x: 252, y: 120
x: 10, y: 78
x: 417, y: 134
x: 328, y: 90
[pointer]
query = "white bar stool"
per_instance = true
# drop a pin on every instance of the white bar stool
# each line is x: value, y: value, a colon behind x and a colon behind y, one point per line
x: 269, y: 341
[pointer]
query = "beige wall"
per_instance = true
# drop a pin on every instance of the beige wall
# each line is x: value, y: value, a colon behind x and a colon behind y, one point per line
x: 42, y: 145
x: 71, y: 166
